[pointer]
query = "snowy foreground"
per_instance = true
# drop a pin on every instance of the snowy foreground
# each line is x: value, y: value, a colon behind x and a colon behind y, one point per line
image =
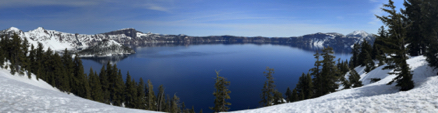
x: 374, y: 97
x: 20, y: 94
x: 23, y: 95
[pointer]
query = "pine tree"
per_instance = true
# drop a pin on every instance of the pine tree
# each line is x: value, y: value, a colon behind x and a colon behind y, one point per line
x: 396, y: 47
x: 327, y: 80
x: 377, y: 53
x: 267, y: 95
x: 316, y: 73
x: 288, y: 95
x: 151, y: 96
x: 355, y: 57
x: 278, y: 98
x: 103, y: 77
x: 160, y: 98
x: 309, y: 86
x: 364, y: 51
x: 294, y: 95
x: 354, y: 79
x: 415, y: 18
x: 175, y: 105
x: 86, y: 86
x: 119, y: 88
x: 430, y: 32
x: 221, y: 94
x: 129, y: 97
x: 141, y: 99
x: 369, y: 63
x: 96, y: 87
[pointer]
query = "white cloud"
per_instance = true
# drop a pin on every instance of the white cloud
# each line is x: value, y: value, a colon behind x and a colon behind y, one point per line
x: 156, y: 7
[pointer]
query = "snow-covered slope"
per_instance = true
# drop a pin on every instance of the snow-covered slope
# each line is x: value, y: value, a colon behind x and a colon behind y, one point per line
x: 373, y: 97
x: 19, y: 94
x: 106, y: 48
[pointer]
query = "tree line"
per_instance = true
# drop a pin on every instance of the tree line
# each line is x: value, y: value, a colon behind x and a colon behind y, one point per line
x: 67, y: 74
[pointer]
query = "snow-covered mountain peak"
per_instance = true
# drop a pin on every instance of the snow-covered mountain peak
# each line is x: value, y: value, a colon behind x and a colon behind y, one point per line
x: 39, y: 29
x: 14, y: 29
x: 359, y: 33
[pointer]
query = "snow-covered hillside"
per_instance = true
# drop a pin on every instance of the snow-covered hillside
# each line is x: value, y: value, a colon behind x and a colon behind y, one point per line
x: 58, y: 41
x: 373, y: 97
x: 106, y: 48
x: 19, y: 94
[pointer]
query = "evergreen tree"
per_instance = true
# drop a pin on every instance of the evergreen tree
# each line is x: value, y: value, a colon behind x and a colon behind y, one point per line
x: 377, y: 53
x: 119, y: 88
x: 175, y: 105
x: 278, y: 98
x: 141, y: 99
x: 327, y: 80
x: 221, y: 94
x: 151, y: 97
x: 369, y: 63
x: 294, y: 95
x: 396, y: 47
x: 316, y: 73
x: 354, y: 79
x: 267, y: 95
x: 96, y: 87
x: 129, y: 91
x: 355, y: 57
x: 415, y: 18
x: 103, y: 77
x: 160, y: 98
x: 288, y: 95
x: 364, y: 51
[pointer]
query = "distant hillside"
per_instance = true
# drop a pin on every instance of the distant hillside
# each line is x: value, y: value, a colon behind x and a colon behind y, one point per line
x: 106, y: 48
x: 60, y: 40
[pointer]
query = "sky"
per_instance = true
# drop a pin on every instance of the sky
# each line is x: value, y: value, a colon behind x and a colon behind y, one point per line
x: 269, y: 18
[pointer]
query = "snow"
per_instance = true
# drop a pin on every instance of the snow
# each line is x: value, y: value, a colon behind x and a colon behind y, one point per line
x: 20, y: 94
x: 13, y: 29
x: 373, y: 97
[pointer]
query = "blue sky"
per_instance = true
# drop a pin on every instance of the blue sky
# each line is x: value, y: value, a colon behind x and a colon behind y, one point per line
x: 271, y: 18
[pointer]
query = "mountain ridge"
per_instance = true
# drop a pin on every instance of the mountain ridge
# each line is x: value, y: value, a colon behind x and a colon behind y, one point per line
x: 57, y: 40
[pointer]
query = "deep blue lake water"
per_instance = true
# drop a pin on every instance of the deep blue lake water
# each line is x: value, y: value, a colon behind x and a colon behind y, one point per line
x: 189, y: 71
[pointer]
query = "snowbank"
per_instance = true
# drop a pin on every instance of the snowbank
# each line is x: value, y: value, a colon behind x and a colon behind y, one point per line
x: 20, y: 94
x: 373, y: 97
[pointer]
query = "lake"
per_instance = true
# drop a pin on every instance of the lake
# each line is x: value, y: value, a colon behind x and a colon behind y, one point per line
x: 189, y: 71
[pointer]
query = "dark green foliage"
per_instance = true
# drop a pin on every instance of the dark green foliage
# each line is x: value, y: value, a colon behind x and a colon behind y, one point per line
x: 288, y: 95
x: 161, y: 102
x: 221, y: 94
x: 414, y: 35
x: 130, y: 92
x: 395, y: 42
x: 103, y: 77
x: 174, y: 107
x: 141, y: 95
x: 326, y: 81
x: 118, y: 88
x: 305, y: 86
x: 364, y: 51
x: 377, y: 52
x: 354, y: 58
x: 278, y: 98
x: 294, y: 96
x: 268, y: 90
x: 96, y: 87
x: 151, y: 97
x: 429, y: 11
x: 369, y: 63
x: 354, y: 79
